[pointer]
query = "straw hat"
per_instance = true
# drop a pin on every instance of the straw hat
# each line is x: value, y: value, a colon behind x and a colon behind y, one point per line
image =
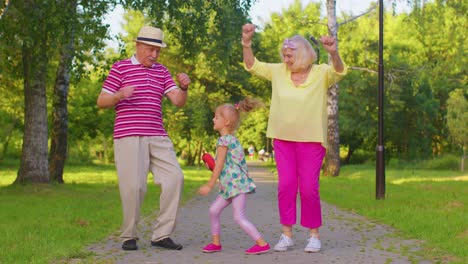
x: 151, y: 36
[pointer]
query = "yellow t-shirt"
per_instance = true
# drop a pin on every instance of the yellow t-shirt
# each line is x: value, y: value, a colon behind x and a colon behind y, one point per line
x: 298, y: 113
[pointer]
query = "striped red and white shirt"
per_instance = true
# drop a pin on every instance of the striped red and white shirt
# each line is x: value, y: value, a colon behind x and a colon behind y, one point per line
x: 141, y: 113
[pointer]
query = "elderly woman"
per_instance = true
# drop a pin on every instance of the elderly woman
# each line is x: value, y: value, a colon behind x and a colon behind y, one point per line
x: 298, y: 125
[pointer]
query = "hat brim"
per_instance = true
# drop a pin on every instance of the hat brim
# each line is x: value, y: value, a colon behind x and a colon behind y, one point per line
x: 162, y: 45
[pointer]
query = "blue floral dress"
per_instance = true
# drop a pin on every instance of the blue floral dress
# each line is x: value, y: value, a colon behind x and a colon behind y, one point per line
x: 234, y: 178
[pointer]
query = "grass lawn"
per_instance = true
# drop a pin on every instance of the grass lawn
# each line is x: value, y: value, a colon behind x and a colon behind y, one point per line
x: 422, y: 204
x: 46, y: 223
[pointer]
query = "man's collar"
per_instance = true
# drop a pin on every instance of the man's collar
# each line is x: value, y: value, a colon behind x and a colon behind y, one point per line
x: 134, y: 60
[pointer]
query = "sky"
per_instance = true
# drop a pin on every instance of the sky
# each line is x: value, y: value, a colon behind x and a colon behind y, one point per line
x: 260, y: 11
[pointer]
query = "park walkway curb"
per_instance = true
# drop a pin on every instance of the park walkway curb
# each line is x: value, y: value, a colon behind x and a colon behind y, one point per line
x: 346, y: 237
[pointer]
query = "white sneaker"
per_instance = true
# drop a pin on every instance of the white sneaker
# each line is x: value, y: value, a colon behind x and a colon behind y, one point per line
x: 313, y: 244
x: 284, y: 243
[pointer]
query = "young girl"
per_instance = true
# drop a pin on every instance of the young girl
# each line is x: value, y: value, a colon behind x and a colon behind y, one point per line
x: 231, y: 171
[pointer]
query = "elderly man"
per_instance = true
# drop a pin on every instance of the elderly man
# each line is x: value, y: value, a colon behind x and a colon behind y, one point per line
x: 135, y: 87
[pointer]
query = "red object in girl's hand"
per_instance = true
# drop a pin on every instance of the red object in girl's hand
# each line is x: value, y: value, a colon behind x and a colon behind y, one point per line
x: 209, y: 160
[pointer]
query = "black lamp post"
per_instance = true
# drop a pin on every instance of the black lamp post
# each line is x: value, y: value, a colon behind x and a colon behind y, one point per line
x: 380, y: 166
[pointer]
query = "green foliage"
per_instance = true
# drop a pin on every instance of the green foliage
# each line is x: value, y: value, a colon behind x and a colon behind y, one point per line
x: 253, y: 130
x: 457, y: 116
x: 358, y: 117
x: 89, y: 138
x: 191, y: 127
x: 35, y: 36
x: 359, y: 156
x: 199, y: 25
x: 8, y: 126
x: 446, y: 162
x: 418, y: 46
x: 134, y: 21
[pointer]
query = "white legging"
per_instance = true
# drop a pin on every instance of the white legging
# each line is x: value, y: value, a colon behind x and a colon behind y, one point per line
x: 238, y: 208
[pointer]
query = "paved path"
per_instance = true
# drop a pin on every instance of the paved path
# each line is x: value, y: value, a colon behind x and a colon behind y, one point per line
x: 346, y: 237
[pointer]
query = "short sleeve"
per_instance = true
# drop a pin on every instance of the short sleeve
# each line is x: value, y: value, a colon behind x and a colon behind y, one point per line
x: 113, y: 81
x: 225, y: 140
x: 169, y: 83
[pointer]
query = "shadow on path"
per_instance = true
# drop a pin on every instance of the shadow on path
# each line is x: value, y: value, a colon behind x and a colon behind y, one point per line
x: 346, y: 237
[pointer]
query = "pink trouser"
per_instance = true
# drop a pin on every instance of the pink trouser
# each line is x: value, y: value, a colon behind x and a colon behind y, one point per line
x: 238, y: 208
x: 299, y: 165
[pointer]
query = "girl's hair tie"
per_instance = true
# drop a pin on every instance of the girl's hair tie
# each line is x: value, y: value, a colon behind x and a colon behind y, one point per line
x: 236, y: 105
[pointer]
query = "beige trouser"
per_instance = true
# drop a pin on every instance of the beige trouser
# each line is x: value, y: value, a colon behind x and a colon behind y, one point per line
x: 134, y: 158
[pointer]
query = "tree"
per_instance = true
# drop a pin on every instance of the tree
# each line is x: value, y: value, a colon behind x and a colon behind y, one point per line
x: 199, y: 24
x: 415, y: 99
x: 34, y: 36
x: 332, y: 158
x: 81, y: 38
x: 59, y: 133
x: 457, y: 120
x: 33, y: 31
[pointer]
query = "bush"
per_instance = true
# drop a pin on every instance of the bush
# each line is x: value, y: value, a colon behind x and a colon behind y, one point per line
x: 445, y: 162
x: 359, y: 157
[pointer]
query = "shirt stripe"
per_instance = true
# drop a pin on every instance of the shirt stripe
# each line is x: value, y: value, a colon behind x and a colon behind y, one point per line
x: 141, y: 114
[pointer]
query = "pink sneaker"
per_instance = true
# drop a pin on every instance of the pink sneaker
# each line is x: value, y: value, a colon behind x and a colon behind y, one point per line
x: 256, y: 249
x: 210, y: 248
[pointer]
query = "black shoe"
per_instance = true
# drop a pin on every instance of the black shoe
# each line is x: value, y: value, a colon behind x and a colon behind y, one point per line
x: 166, y: 243
x: 129, y: 244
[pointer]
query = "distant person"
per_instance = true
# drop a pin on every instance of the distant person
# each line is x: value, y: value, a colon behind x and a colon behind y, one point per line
x: 263, y: 155
x: 135, y: 87
x: 298, y: 125
x: 251, y: 151
x: 234, y: 181
x: 261, y: 152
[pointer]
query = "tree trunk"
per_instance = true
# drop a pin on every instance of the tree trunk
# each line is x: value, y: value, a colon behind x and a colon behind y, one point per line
x: 332, y: 158
x: 58, y: 147
x: 105, y: 150
x: 198, y: 154
x: 462, y: 165
x: 34, y: 164
x: 8, y: 136
x: 348, y: 155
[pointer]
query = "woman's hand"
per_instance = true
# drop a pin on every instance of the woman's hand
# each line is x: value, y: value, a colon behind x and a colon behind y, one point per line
x: 204, y: 190
x: 248, y: 30
x: 329, y: 44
